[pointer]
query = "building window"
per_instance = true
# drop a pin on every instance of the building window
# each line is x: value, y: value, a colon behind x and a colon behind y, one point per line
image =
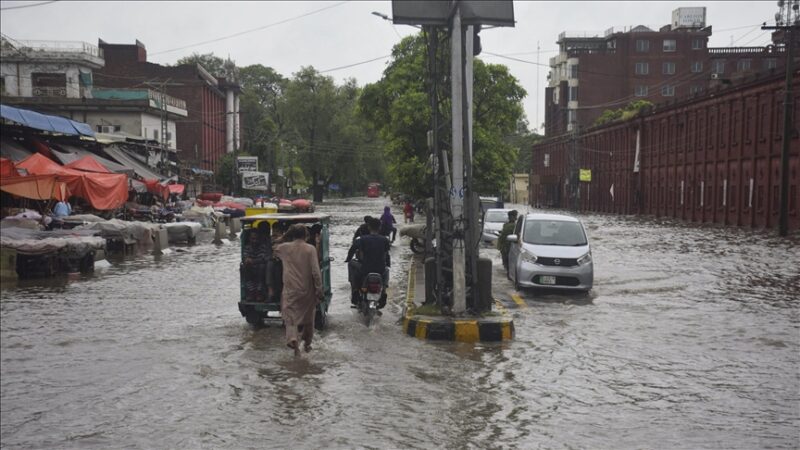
x: 697, y: 44
x: 640, y: 91
x: 667, y: 91
x: 642, y: 45
x: 697, y: 66
x: 49, y: 84
x: 670, y: 45
x: 573, y: 93
x: 718, y: 66
x: 668, y: 68
x: 155, y: 135
x: 770, y: 63
x: 695, y: 89
x: 573, y: 71
x: 742, y: 65
x: 642, y: 68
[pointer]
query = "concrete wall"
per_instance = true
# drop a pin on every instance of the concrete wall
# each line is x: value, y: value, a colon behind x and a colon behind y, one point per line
x: 19, y: 83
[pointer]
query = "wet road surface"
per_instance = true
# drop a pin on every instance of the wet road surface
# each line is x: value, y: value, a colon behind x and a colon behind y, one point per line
x: 689, y: 339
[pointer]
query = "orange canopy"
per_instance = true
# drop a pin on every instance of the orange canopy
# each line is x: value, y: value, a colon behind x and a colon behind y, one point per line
x: 36, y: 187
x: 102, y: 190
x: 87, y: 164
x: 7, y: 168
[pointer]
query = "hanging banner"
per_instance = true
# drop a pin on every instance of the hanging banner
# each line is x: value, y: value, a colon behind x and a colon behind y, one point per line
x: 258, y: 181
x: 246, y: 164
x: 586, y: 175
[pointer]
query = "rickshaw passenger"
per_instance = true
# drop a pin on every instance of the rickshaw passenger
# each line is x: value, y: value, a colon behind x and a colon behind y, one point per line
x: 255, y: 256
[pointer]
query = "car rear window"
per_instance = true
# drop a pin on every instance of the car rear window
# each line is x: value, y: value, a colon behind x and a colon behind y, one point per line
x: 496, y: 216
x: 554, y: 232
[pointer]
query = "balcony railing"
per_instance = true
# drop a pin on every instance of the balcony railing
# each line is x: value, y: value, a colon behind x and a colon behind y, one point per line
x: 169, y: 100
x: 49, y: 91
x: 742, y: 50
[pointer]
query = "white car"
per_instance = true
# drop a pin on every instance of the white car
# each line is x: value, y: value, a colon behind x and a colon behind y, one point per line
x: 550, y: 251
x: 493, y: 221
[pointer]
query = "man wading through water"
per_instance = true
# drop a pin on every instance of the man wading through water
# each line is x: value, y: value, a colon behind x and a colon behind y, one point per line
x: 302, y: 287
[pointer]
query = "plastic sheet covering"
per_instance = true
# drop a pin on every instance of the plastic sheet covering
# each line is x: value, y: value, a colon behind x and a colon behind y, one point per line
x: 244, y: 201
x: 13, y: 150
x: 7, y: 168
x: 87, y: 164
x: 122, y: 157
x: 83, y: 218
x: 31, y: 242
x: 142, y: 232
x: 17, y: 222
x: 102, y: 190
x: 72, y: 154
x: 205, y: 216
x: 35, y: 187
x: 182, y: 231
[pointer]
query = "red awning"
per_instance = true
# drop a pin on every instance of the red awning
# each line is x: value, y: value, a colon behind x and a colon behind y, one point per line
x: 35, y: 187
x: 102, y: 190
x: 87, y: 164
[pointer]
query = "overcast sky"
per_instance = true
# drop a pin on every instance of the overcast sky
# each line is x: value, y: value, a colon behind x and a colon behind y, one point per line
x: 330, y: 35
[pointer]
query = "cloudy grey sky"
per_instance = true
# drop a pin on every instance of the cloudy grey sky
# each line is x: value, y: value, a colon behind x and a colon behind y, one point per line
x: 329, y: 35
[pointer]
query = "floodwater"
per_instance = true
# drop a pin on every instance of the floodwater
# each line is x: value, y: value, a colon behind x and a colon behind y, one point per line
x: 690, y: 339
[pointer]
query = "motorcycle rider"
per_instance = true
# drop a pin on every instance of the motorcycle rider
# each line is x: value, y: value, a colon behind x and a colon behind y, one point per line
x: 373, y: 257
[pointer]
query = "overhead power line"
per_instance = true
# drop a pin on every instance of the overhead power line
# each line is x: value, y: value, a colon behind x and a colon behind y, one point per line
x: 355, y: 64
x: 250, y: 30
x: 7, y: 8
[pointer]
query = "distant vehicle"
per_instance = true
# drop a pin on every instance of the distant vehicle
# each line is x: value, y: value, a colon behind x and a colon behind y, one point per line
x: 374, y: 190
x: 493, y: 221
x: 550, y: 251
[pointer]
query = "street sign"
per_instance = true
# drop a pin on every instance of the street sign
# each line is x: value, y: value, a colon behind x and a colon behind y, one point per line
x: 258, y: 181
x: 246, y: 164
x: 437, y: 12
x: 586, y: 175
x: 334, y: 186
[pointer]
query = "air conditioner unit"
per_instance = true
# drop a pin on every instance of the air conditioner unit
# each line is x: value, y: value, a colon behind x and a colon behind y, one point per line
x: 107, y: 129
x: 715, y: 76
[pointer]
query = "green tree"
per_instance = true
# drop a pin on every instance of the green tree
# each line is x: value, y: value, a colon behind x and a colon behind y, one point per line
x: 627, y: 112
x: 397, y: 107
x: 263, y: 112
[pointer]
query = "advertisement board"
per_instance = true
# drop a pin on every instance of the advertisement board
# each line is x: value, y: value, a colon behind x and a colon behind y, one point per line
x: 258, y: 181
x: 246, y: 164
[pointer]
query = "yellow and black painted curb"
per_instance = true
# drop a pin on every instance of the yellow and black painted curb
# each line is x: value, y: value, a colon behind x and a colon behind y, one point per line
x: 490, y: 329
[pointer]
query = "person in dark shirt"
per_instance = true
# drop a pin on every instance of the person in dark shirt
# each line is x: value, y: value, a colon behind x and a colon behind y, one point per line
x: 363, y: 229
x: 372, y: 251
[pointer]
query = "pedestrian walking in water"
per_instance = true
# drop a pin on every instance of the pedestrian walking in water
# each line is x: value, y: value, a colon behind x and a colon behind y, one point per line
x: 387, y: 223
x: 302, y: 287
x: 408, y: 212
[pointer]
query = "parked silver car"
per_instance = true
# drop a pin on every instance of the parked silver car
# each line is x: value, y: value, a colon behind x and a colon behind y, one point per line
x: 493, y: 221
x: 550, y: 251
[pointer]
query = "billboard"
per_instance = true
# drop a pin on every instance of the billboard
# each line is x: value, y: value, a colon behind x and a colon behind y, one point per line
x: 258, y: 181
x: 437, y: 12
x: 246, y: 164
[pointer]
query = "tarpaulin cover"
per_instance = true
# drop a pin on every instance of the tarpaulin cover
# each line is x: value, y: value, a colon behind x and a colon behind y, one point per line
x: 72, y: 153
x: 122, y: 157
x: 7, y: 168
x: 35, y: 187
x: 44, y: 122
x: 87, y: 164
x: 13, y: 150
x: 102, y: 190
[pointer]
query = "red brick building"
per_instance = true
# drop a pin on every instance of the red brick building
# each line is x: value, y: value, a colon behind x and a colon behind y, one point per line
x: 202, y: 135
x: 592, y: 74
x: 712, y: 158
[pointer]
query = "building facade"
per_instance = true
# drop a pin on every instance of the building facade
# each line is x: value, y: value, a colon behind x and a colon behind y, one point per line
x: 211, y: 127
x: 594, y: 73
x: 712, y: 158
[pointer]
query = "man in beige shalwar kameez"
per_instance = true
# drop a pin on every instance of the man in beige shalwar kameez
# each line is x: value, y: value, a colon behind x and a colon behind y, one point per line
x: 302, y: 286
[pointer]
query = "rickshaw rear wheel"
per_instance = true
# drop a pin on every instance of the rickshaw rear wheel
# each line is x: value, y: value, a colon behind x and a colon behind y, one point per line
x: 253, y: 317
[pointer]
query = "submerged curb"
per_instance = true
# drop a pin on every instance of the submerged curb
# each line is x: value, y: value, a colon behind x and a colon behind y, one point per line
x: 434, y: 328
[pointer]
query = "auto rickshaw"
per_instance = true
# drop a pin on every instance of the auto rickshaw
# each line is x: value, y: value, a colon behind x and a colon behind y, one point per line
x: 260, y: 282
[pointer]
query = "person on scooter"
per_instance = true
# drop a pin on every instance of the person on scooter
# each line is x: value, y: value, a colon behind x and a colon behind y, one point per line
x: 387, y: 223
x: 363, y: 229
x: 373, y: 257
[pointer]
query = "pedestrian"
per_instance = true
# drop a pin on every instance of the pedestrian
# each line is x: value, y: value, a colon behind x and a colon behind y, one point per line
x: 508, y: 228
x: 408, y: 212
x: 62, y: 209
x: 302, y: 287
x: 387, y: 223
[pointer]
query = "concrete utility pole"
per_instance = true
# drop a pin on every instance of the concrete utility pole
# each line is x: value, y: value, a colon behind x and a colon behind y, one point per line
x: 457, y: 191
x: 789, y: 26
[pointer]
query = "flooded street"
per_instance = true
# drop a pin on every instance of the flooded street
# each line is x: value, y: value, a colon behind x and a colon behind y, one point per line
x: 689, y: 339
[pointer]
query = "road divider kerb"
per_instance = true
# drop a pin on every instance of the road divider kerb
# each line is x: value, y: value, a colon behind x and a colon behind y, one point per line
x: 441, y: 328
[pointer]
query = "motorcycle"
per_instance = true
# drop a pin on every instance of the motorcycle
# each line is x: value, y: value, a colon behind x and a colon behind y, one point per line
x: 370, y: 296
